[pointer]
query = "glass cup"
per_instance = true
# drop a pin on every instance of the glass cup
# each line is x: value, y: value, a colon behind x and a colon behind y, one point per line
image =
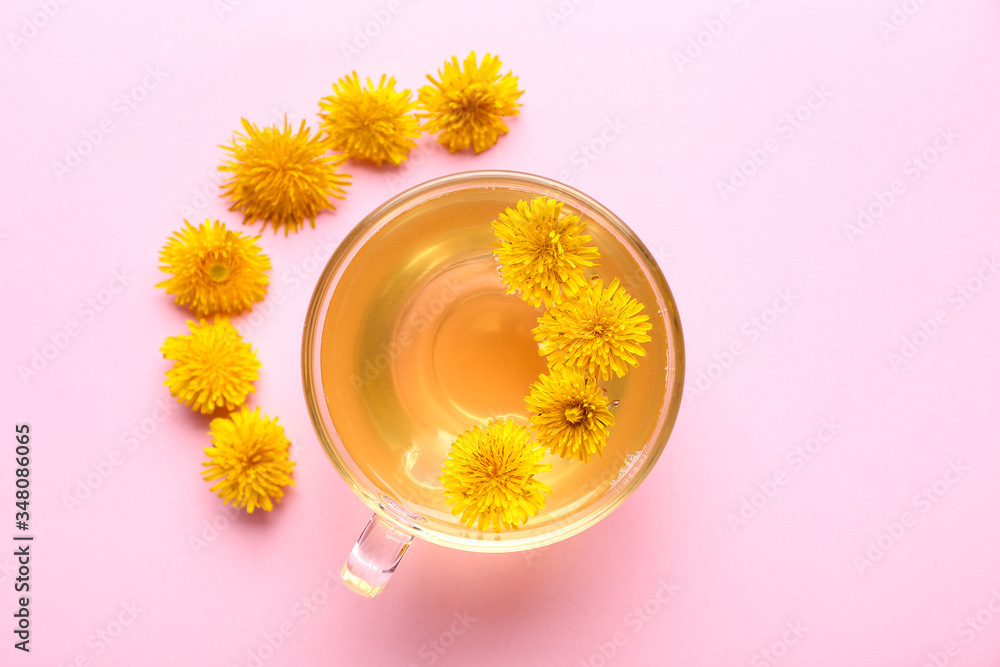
x: 403, y: 510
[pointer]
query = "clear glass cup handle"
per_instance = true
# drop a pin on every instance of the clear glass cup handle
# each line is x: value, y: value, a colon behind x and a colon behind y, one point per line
x: 374, y: 557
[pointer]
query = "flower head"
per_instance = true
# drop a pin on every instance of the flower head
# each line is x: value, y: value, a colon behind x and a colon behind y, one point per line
x: 213, y: 367
x: 489, y: 476
x: 249, y: 457
x: 369, y: 123
x: 282, y: 178
x: 570, y: 413
x: 214, y: 271
x: 596, y: 330
x: 538, y: 251
x: 468, y: 104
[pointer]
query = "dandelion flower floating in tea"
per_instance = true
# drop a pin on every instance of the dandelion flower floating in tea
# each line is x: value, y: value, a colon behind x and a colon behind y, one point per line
x: 213, y: 367
x: 598, y: 331
x: 469, y: 102
x: 214, y: 271
x: 570, y: 413
x: 489, y: 476
x: 370, y: 123
x: 540, y: 251
x: 282, y: 178
x: 249, y: 457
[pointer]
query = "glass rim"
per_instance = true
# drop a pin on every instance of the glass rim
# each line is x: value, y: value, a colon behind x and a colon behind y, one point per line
x: 385, y: 507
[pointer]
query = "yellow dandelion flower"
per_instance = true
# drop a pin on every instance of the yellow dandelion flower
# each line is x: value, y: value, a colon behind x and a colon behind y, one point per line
x: 570, y: 413
x: 538, y: 251
x: 370, y: 123
x: 249, y: 457
x: 214, y: 271
x: 489, y: 476
x: 282, y: 178
x: 468, y: 104
x: 598, y: 331
x: 213, y: 367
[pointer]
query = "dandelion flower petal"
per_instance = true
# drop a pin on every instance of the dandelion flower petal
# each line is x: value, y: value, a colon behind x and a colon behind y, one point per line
x: 249, y: 458
x: 468, y: 102
x: 598, y: 331
x: 569, y: 413
x: 282, y: 178
x: 214, y: 271
x: 371, y: 123
x: 540, y: 251
x: 213, y: 367
x: 489, y: 476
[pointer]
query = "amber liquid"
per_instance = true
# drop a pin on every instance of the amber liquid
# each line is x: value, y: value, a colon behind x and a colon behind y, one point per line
x: 421, y: 342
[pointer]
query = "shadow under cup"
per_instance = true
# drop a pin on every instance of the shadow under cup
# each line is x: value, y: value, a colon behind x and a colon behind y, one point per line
x: 410, y: 340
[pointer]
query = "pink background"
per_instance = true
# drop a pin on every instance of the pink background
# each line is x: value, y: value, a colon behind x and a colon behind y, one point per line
x: 672, y: 577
